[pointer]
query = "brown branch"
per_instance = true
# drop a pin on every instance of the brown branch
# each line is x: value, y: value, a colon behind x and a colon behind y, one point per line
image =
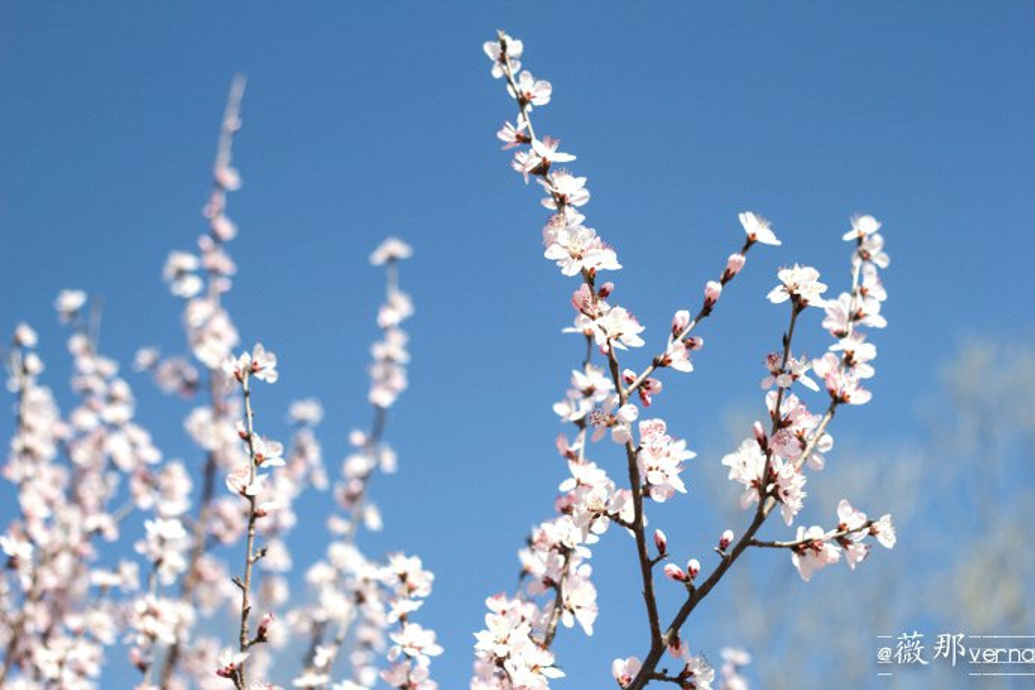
x: 798, y: 543
x: 649, y: 598
x: 704, y: 312
x: 217, y: 196
x: 636, y: 486
x: 240, y: 678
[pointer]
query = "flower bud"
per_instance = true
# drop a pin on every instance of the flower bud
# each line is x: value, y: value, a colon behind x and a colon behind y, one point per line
x: 734, y: 264
x: 606, y: 289
x: 660, y: 541
x: 262, y: 634
x: 693, y: 567
x: 694, y: 343
x: 760, y: 436
x: 139, y: 659
x: 674, y: 572
x: 679, y: 322
x: 712, y: 291
x: 725, y: 540
x: 678, y: 647
x: 24, y: 336
x: 32, y: 364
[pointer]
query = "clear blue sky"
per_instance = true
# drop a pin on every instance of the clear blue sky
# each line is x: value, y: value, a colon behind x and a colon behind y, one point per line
x: 363, y: 120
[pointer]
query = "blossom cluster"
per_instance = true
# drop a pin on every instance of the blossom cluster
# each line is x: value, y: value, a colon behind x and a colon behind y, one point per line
x: 514, y: 649
x: 62, y: 604
x: 357, y: 600
x: 67, y: 598
x: 770, y: 465
x: 815, y: 548
x: 600, y: 400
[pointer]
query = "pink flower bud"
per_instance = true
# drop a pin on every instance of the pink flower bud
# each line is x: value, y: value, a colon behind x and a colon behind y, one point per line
x: 734, y: 264
x: 674, y: 572
x: 262, y: 634
x: 712, y: 291
x: 694, y: 343
x: 725, y: 540
x: 138, y: 659
x: 24, y: 336
x: 606, y: 289
x: 693, y: 567
x: 628, y: 376
x: 660, y: 541
x: 648, y: 388
x: 679, y: 322
x: 760, y: 436
x: 223, y: 228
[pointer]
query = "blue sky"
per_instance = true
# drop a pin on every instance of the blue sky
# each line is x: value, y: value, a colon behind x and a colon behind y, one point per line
x: 363, y: 120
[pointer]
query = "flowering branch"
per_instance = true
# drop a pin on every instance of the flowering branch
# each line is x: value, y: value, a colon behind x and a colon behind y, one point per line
x: 639, y: 521
x: 831, y: 535
x: 22, y: 363
x: 248, y: 483
x: 801, y: 287
x: 211, y: 338
x: 673, y: 355
x: 352, y: 589
x: 769, y: 466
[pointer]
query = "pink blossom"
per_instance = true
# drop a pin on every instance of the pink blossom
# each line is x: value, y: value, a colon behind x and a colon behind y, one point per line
x: 677, y: 356
x: 624, y: 670
x: 543, y: 154
x: 69, y: 303
x: 24, y: 336
x: 746, y: 466
x: 392, y: 249
x: 862, y: 227
x: 884, y: 530
x: 842, y: 384
x: 660, y: 459
x: 264, y: 364
x: 577, y: 248
x: 696, y: 674
x: 493, y: 49
x: 815, y: 553
x: 512, y: 136
x: 872, y: 249
x: 415, y: 642
x: 784, y: 376
x: 239, y: 482
x: 229, y: 662
x: 619, y: 328
x: 564, y: 189
x: 758, y: 229
x: 799, y: 284
x: 530, y: 91
x: 267, y: 452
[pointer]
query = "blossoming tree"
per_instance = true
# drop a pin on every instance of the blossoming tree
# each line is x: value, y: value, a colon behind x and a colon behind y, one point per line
x: 207, y: 602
